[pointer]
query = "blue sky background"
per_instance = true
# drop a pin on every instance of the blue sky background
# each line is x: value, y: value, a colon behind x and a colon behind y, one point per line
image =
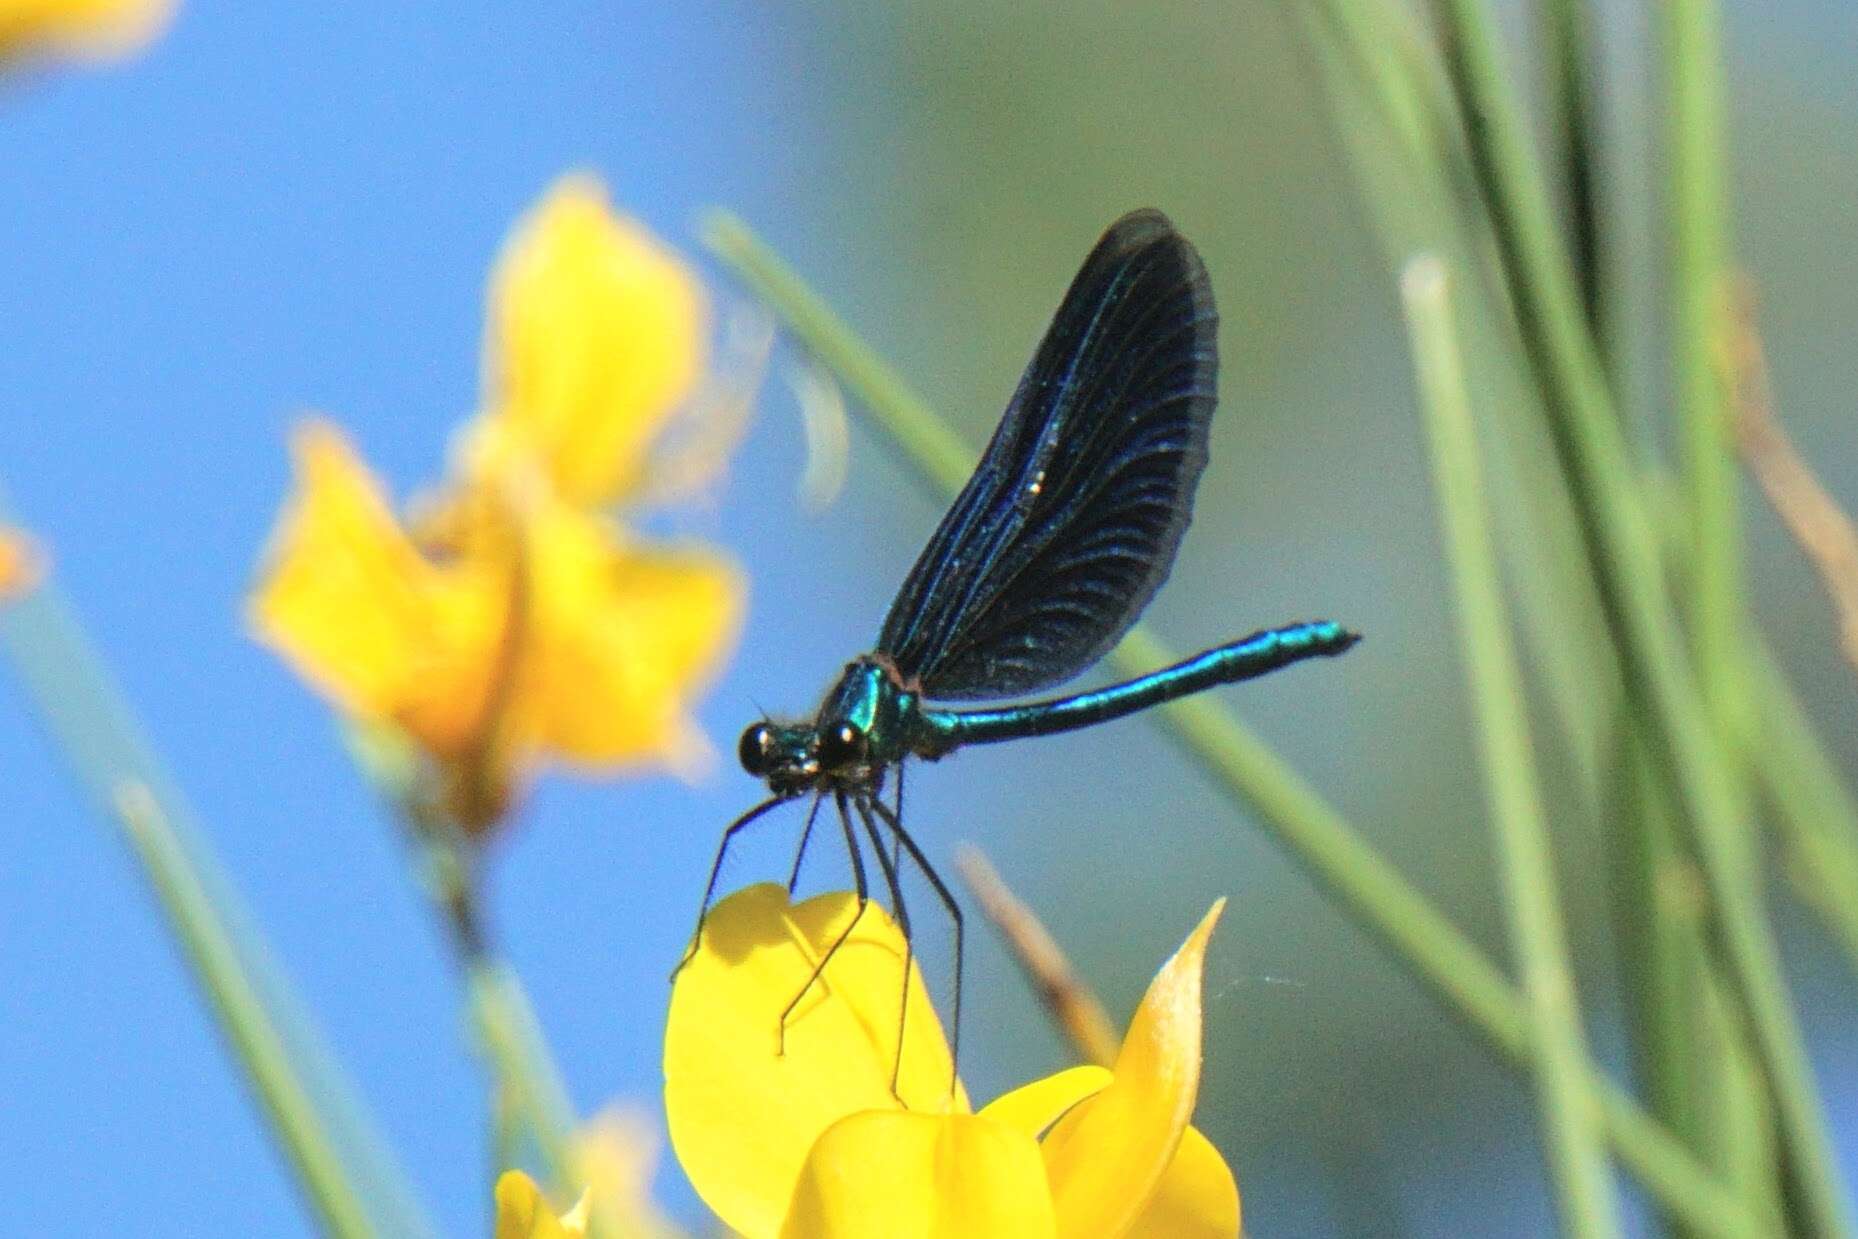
x: 279, y: 209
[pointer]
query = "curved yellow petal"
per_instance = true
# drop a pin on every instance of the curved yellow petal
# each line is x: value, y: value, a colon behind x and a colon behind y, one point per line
x: 1197, y: 1197
x: 595, y: 333
x: 1107, y: 1156
x: 742, y: 1113
x: 1031, y: 1108
x: 886, y: 1174
x: 355, y: 608
x: 523, y: 1212
x: 625, y: 637
x: 93, y: 29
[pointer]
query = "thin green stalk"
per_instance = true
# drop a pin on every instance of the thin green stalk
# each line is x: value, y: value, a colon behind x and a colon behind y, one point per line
x: 506, y: 1134
x: 254, y: 1039
x: 1815, y: 812
x: 1570, y: 1114
x: 1660, y: 910
x: 526, y: 1088
x: 1375, y: 93
x: 1688, y: 1041
x: 1414, y: 179
x: 526, y: 1091
x: 524, y: 1070
x: 1816, y: 815
x: 1573, y: 87
x: 1344, y: 864
x: 1699, y: 229
x: 345, y: 1172
x: 1719, y: 628
x: 1624, y: 555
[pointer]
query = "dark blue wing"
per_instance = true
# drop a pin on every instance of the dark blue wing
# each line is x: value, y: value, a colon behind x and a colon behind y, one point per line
x: 1071, y: 520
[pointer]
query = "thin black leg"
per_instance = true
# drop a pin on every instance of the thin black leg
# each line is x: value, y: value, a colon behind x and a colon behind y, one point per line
x: 896, y: 847
x: 864, y: 898
x: 716, y: 869
x: 812, y: 815
x: 954, y: 914
x: 903, y: 921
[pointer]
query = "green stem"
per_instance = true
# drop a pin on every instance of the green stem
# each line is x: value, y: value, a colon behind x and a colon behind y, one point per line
x: 1719, y: 626
x: 1344, y: 864
x: 1408, y: 164
x: 256, y: 1042
x: 1569, y: 1112
x: 1815, y: 812
x: 1699, y: 228
x: 1659, y: 919
x: 523, y: 1068
x: 526, y: 1093
x: 344, y: 1171
x: 1719, y: 629
x: 1567, y: 41
x: 1624, y: 558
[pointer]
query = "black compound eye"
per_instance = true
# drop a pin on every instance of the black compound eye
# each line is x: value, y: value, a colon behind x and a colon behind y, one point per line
x: 756, y: 750
x: 841, y: 746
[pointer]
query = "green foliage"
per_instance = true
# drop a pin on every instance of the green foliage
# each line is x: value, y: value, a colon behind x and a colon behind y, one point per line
x: 1735, y: 1141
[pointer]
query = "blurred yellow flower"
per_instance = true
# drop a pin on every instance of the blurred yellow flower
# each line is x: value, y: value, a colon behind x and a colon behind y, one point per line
x: 808, y: 1139
x: 524, y: 1213
x: 614, y: 1155
x: 22, y: 565
x: 594, y: 337
x: 513, y: 621
x: 87, y: 29
x: 517, y: 628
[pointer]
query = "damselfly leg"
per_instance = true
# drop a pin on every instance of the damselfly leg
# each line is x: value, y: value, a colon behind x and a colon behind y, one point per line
x: 716, y: 869
x: 806, y: 833
x: 896, y: 811
x: 864, y: 898
x: 889, y: 867
x: 942, y: 892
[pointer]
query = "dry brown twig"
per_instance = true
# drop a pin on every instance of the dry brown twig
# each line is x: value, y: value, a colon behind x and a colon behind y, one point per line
x: 1070, y: 1003
x: 1823, y: 530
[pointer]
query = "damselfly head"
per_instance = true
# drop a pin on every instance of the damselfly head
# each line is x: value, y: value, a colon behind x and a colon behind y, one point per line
x: 785, y: 756
x: 793, y: 759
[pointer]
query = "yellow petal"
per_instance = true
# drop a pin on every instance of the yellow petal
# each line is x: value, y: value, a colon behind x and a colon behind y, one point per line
x: 22, y: 564
x: 1033, y: 1107
x: 625, y: 637
x: 1107, y: 1156
x: 523, y: 1212
x: 93, y: 29
x: 1197, y: 1197
x: 742, y: 1114
x: 886, y: 1174
x: 356, y: 609
x: 595, y: 334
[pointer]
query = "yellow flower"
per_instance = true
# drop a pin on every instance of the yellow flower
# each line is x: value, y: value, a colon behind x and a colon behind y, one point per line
x: 22, y: 565
x: 810, y: 1140
x: 524, y: 1213
x: 524, y: 629
x: 593, y: 338
x: 513, y: 622
x: 615, y: 1153
x: 90, y: 29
